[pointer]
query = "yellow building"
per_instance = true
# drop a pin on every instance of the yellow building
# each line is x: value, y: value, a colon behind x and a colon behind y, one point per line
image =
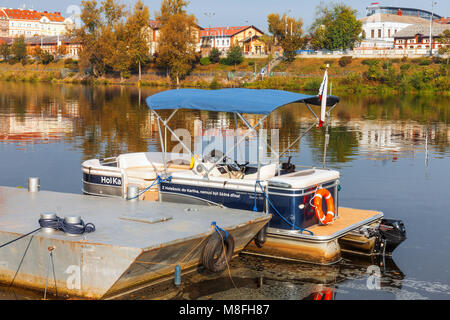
x: 223, y: 38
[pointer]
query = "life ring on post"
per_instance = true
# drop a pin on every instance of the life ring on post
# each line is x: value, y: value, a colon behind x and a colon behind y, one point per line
x: 324, y: 218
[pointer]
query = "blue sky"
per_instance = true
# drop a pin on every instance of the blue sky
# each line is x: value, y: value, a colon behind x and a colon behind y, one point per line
x: 242, y: 12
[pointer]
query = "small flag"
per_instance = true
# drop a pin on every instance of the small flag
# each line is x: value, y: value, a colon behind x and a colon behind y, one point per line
x: 323, y: 97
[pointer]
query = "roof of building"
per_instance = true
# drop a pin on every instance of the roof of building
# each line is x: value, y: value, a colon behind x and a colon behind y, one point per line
x: 387, y: 17
x: 443, y: 20
x: 404, y: 10
x: 251, y: 38
x: 225, y: 31
x: 7, y: 40
x: 155, y: 24
x: 50, y: 40
x: 24, y: 14
x: 423, y: 29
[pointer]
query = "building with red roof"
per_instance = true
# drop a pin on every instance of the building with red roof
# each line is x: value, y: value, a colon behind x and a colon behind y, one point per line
x: 222, y: 38
x: 29, y: 23
x: 442, y: 20
x: 154, y: 33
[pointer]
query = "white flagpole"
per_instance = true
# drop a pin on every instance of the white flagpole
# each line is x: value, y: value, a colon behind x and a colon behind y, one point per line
x: 323, y: 97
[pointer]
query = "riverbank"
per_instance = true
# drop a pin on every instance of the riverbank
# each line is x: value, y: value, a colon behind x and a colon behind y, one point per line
x: 387, y: 76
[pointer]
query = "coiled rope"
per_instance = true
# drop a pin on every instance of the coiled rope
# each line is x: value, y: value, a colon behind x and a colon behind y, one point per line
x: 255, y: 208
x: 155, y: 182
x: 60, y: 224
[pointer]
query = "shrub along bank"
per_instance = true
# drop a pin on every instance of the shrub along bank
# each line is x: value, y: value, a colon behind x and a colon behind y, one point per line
x: 345, y: 75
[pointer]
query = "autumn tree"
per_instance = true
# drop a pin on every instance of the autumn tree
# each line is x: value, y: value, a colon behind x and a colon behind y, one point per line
x: 92, y: 54
x: 62, y: 50
x: 113, y: 38
x: 5, y: 51
x: 444, y: 39
x: 234, y: 55
x: 214, y: 55
x: 286, y: 32
x: 137, y: 29
x: 19, y: 49
x: 335, y: 27
x: 178, y: 39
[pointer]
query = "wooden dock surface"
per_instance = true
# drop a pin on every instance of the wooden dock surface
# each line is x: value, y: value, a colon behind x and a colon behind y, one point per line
x: 347, y: 218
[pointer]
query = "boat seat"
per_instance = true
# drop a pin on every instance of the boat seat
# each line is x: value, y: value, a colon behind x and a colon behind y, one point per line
x: 133, y: 160
x: 145, y: 173
x: 266, y: 172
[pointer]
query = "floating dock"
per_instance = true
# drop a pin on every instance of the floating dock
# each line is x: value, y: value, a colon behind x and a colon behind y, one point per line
x: 135, y: 243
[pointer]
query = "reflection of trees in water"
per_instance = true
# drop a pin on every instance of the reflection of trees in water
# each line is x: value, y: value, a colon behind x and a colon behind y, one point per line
x: 109, y: 120
x: 341, y: 148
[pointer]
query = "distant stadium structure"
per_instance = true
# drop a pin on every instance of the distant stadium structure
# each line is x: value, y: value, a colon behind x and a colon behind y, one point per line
x: 375, y: 7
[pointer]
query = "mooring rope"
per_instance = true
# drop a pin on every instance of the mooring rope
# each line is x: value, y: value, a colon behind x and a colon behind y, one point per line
x: 155, y: 182
x: 60, y: 224
x: 276, y: 211
x: 23, y: 236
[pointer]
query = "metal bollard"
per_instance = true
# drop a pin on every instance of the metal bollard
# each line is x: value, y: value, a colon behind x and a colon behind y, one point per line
x: 48, y: 216
x: 33, y: 184
x: 132, y: 193
x: 75, y: 221
x: 177, y: 275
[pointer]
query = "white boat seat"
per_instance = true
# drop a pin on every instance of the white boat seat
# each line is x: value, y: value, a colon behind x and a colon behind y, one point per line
x: 266, y: 172
x: 146, y: 173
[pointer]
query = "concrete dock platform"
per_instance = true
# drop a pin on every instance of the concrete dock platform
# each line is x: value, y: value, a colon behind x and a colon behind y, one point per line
x: 134, y: 242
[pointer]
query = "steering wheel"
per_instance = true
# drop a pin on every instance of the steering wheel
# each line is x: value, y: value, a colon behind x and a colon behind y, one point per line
x: 242, y: 167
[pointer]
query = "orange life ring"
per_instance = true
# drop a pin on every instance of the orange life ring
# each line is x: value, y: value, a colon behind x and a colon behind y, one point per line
x: 324, y: 295
x: 324, y: 193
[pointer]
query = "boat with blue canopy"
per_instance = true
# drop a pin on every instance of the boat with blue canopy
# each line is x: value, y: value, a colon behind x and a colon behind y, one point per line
x: 307, y: 222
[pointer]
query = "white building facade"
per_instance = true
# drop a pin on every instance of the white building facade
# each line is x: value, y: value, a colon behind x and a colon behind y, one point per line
x: 379, y: 29
x: 29, y: 23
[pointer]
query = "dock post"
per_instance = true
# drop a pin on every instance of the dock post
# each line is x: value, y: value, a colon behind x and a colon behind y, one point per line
x: 132, y: 193
x: 33, y: 184
x: 177, y: 275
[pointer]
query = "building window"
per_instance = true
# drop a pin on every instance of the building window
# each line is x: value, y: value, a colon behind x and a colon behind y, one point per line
x: 379, y: 33
x: 372, y: 33
x: 389, y: 33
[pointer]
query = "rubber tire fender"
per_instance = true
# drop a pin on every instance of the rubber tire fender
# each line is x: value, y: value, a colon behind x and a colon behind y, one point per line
x: 261, y: 236
x: 215, y: 243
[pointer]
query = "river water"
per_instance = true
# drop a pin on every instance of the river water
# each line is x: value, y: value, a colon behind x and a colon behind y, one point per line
x: 393, y: 154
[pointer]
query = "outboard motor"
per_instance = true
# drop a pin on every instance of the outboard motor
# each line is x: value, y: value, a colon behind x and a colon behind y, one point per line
x: 392, y: 233
x: 288, y: 166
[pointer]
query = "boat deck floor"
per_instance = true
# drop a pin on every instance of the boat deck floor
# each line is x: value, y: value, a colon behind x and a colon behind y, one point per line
x: 349, y: 219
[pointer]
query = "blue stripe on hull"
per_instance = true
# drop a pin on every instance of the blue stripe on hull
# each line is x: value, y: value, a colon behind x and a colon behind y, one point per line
x: 229, y: 198
x: 287, y: 205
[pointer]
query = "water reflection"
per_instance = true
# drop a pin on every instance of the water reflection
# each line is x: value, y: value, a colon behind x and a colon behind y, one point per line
x: 106, y: 121
x: 381, y: 144
x: 255, y: 278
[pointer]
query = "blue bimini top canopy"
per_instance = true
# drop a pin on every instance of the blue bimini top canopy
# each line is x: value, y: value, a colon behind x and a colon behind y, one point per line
x: 256, y: 101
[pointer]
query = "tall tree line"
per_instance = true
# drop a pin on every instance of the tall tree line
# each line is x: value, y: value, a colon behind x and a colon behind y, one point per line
x: 113, y: 37
x: 178, y: 39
